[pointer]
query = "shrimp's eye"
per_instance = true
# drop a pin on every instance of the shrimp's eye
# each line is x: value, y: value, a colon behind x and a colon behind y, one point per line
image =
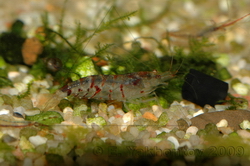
x: 53, y: 64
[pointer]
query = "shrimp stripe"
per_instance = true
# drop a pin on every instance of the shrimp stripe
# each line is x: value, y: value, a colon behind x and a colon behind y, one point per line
x: 121, y: 89
x: 92, y: 81
x: 86, y: 93
x: 96, y: 92
x: 103, y: 80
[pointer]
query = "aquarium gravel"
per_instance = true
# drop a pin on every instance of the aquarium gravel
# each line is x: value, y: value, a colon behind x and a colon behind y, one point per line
x: 35, y: 131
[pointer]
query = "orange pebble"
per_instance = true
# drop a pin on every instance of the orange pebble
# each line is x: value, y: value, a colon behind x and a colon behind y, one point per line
x: 149, y: 115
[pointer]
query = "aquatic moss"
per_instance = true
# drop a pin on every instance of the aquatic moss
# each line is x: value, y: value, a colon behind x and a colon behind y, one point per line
x: 70, y: 53
x: 163, y: 119
x: 28, y: 132
x: 46, y: 118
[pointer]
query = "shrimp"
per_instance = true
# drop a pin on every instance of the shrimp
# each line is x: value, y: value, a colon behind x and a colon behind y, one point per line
x: 117, y: 87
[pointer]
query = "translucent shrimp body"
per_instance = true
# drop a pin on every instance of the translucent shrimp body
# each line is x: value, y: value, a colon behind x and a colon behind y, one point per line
x: 117, y: 87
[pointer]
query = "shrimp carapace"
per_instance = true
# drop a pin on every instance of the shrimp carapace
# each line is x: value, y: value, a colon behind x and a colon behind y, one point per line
x: 117, y: 87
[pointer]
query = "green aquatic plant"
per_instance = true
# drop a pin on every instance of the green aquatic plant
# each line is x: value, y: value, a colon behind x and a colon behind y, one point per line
x: 70, y: 49
x: 121, y: 60
x: 236, y: 102
x: 66, y: 56
x: 46, y: 118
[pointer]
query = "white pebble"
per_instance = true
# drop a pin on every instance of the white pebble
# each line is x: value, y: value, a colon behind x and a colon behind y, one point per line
x: 120, y: 112
x: 68, y: 114
x: 77, y: 120
x: 222, y: 123
x: 175, y: 103
x: 42, y: 83
x: 245, y: 80
x: 117, y: 121
x: 158, y: 132
x: 241, y: 88
x: 157, y: 110
x: 13, y: 74
x: 189, y: 105
x: 245, y: 125
x: 19, y: 110
x: 111, y: 119
x: 198, y: 113
x: 174, y: 141
x: 23, y: 69
x: 67, y: 109
x: 4, y: 112
x: 128, y: 118
x: 220, y: 107
x: 134, y: 131
x: 111, y: 107
x: 208, y: 108
x: 165, y: 130
x: 104, y: 139
x: 180, y: 134
x: 192, y: 130
x: 242, y: 63
x: 37, y: 140
x: 244, y: 134
x: 27, y: 79
x: 186, y: 143
x: 194, y: 140
x: 32, y: 112
x: 21, y: 87
x: 225, y: 130
x: 7, y: 107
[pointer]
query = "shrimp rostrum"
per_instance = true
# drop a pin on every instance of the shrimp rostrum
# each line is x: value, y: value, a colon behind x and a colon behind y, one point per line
x: 117, y: 87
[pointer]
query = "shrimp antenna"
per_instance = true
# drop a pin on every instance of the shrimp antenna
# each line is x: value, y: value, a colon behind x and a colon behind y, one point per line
x: 179, y: 66
x: 98, y: 27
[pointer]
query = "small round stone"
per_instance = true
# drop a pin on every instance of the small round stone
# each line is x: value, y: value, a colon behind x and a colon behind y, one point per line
x: 37, y: 140
x: 222, y: 123
x: 194, y: 140
x: 192, y: 129
x: 174, y: 141
x: 180, y: 134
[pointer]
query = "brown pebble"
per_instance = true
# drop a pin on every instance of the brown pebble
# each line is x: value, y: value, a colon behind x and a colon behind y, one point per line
x: 182, y: 124
x: 32, y: 47
x: 233, y: 117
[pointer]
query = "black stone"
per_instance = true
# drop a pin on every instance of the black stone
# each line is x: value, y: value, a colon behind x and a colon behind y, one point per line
x: 203, y: 89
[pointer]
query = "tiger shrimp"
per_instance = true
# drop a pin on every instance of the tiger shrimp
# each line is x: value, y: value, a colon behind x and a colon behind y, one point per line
x: 117, y: 87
